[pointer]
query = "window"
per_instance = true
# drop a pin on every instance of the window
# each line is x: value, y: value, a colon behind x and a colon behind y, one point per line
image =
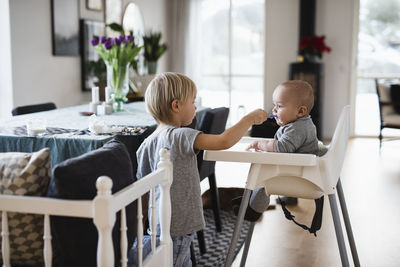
x: 378, y: 57
x: 231, y: 55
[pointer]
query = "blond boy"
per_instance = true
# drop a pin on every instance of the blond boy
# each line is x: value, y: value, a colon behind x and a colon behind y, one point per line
x: 170, y: 100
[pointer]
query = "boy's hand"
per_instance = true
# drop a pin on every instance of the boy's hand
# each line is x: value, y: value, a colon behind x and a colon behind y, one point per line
x: 257, y: 116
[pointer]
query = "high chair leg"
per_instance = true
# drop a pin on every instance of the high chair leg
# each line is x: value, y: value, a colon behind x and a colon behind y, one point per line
x: 238, y: 226
x: 247, y: 244
x: 338, y: 230
x: 346, y: 219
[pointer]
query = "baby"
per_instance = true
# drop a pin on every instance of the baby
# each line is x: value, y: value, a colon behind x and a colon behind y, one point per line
x: 293, y: 101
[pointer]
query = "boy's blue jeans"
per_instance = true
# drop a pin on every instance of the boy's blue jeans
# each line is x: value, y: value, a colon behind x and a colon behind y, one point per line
x: 181, y: 250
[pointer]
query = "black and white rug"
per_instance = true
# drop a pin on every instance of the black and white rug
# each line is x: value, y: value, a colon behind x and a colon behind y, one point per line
x: 217, y: 243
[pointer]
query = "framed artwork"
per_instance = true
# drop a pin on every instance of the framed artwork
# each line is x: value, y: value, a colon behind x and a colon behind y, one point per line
x: 65, y: 27
x: 93, y: 68
x: 94, y: 5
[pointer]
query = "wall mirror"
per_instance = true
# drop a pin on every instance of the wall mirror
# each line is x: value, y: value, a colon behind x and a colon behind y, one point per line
x: 132, y: 21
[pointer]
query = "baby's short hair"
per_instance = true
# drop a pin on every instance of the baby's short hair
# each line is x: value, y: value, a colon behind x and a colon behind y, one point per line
x: 165, y: 88
x: 302, y: 91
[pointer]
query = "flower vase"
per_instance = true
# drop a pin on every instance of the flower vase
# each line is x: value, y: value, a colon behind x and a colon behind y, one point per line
x: 118, y: 80
x: 152, y: 67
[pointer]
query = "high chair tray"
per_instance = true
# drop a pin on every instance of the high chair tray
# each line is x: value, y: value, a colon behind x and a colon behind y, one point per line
x: 238, y: 153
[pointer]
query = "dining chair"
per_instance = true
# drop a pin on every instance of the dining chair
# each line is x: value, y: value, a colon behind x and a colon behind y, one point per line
x: 213, y: 121
x: 295, y: 175
x: 389, y: 108
x: 33, y: 108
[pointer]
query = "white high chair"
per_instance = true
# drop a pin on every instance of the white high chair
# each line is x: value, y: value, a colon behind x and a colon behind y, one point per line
x: 294, y: 175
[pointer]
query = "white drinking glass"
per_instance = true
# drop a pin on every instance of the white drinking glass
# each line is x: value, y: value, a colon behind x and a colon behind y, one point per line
x: 36, y: 126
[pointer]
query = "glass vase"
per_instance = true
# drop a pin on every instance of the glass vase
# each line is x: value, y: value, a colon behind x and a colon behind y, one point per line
x: 118, y: 80
x: 152, y: 67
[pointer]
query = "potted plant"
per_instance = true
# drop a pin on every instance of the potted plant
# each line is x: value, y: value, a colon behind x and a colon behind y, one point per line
x: 312, y: 47
x: 153, y: 50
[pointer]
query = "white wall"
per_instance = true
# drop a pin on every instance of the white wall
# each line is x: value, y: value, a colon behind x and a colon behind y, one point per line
x: 30, y: 73
x: 281, y: 42
x: 335, y: 20
x: 38, y: 76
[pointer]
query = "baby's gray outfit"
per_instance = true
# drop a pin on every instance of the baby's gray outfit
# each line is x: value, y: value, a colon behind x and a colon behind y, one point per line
x: 299, y: 136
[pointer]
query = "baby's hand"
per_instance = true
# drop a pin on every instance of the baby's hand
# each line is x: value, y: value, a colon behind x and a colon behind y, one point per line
x: 258, y: 116
x: 253, y: 145
x: 259, y: 145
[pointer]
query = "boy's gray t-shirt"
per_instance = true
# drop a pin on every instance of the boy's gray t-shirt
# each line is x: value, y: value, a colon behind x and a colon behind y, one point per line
x: 187, y: 208
x: 299, y: 136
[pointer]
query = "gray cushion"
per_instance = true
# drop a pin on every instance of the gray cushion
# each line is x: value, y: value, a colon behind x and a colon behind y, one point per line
x: 75, y: 239
x: 25, y: 174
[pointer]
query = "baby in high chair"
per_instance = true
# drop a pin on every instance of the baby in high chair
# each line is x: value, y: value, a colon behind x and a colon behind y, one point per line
x: 293, y: 101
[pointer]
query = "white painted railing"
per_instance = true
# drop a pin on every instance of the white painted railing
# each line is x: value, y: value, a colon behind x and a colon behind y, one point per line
x: 102, y: 209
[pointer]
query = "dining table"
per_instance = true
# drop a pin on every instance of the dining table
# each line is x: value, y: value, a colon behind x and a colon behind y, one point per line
x: 67, y: 133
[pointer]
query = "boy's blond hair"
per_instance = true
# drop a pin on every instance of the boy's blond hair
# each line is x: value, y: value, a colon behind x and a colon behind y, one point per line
x: 302, y: 92
x: 165, y: 88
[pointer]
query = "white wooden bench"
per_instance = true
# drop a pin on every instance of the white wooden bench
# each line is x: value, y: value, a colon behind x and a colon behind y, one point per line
x: 102, y: 209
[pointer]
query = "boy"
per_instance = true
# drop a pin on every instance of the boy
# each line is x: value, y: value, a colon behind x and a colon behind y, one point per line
x: 293, y: 101
x: 170, y: 100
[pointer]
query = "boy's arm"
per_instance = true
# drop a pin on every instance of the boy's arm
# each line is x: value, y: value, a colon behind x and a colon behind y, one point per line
x: 232, y: 135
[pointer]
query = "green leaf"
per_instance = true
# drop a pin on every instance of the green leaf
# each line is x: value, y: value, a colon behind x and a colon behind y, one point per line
x: 116, y: 27
x: 153, y: 50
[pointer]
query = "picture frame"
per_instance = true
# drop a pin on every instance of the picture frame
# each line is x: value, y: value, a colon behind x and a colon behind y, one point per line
x: 65, y: 27
x: 92, y: 66
x: 96, y: 5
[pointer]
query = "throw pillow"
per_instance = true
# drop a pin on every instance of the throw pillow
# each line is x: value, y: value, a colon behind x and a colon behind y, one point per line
x: 25, y: 174
x: 75, y: 239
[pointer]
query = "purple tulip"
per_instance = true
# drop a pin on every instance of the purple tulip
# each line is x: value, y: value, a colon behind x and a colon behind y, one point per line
x: 121, y: 37
x: 103, y: 39
x: 95, y: 41
x: 129, y: 38
x: 117, y: 42
x: 107, y: 45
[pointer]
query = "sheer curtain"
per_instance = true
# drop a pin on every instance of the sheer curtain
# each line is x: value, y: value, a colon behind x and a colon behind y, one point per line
x: 182, y: 33
x: 220, y: 45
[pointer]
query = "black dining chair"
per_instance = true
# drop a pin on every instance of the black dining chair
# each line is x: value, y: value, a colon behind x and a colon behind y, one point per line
x: 389, y: 106
x: 213, y: 121
x: 33, y: 108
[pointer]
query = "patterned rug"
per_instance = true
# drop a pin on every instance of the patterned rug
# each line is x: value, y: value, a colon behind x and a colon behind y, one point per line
x: 217, y: 243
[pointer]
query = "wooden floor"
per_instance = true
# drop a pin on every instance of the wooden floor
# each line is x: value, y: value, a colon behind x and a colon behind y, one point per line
x: 371, y: 184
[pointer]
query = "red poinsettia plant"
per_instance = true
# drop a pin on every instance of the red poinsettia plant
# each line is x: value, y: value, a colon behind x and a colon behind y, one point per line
x: 311, y: 46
